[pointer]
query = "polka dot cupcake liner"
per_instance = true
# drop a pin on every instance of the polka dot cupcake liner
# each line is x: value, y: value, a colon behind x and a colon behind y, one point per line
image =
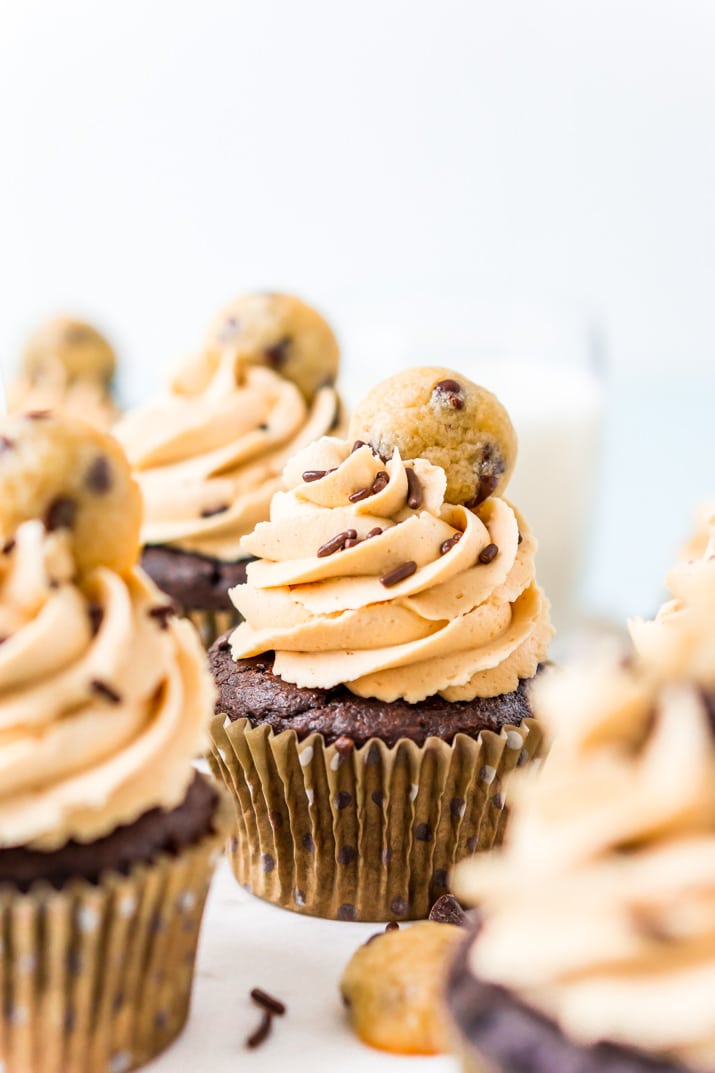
x: 367, y: 833
x: 211, y: 625
x: 97, y: 978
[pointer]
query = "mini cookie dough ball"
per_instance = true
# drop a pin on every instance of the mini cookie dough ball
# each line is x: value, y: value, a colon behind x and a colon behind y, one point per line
x: 392, y: 988
x: 72, y: 345
x: 281, y: 332
x: 73, y: 477
x: 439, y: 415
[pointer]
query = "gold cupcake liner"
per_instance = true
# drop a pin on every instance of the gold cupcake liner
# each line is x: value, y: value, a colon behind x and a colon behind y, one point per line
x: 212, y: 624
x: 361, y: 834
x: 97, y: 978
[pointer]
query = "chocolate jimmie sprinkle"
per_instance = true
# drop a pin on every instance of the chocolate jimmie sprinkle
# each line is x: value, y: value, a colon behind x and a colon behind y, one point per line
x: 271, y: 1007
x: 381, y: 481
x: 414, y: 490
x: 210, y: 512
x: 336, y: 543
x: 399, y: 573
x: 448, y: 544
x: 311, y: 475
x: 104, y: 690
x: 362, y: 493
x: 162, y: 613
x: 377, y: 531
x: 262, y: 1032
x: 488, y: 554
x: 357, y: 445
x: 268, y: 1002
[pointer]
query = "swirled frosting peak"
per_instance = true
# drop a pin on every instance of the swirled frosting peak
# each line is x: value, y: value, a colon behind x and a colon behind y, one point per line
x: 104, y: 697
x: 367, y: 577
x: 600, y: 909
x: 208, y: 455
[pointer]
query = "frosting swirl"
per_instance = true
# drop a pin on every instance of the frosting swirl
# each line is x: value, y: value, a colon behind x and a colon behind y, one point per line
x: 86, y: 398
x: 104, y: 700
x: 368, y: 578
x: 608, y: 875
x: 209, y: 454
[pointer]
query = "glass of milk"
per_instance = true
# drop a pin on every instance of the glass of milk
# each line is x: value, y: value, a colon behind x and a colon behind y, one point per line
x: 546, y: 366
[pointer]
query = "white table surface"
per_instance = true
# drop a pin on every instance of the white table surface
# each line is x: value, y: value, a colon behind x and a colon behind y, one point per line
x: 247, y: 943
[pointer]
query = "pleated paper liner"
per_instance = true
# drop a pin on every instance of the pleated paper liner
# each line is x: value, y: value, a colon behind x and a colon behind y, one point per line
x: 97, y: 978
x: 364, y: 834
x: 212, y: 624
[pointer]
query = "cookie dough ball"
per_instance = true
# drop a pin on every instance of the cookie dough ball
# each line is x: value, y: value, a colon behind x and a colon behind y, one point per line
x: 439, y: 415
x: 281, y: 332
x: 392, y: 988
x: 75, y: 347
x: 72, y: 477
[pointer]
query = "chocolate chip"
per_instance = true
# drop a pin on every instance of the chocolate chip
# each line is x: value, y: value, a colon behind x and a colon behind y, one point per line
x: 392, y: 925
x: 60, y: 514
x: 311, y: 475
x: 488, y: 554
x: 456, y: 806
x: 275, y: 819
x: 378, y: 798
x: 267, y: 862
x: 414, y: 490
x: 6, y: 444
x: 104, y: 690
x: 162, y: 613
x: 96, y: 615
x: 423, y: 832
x: 377, y: 531
x: 362, y: 493
x: 450, y: 391
x: 210, y: 512
x: 8, y: 546
x: 343, y: 799
x: 399, y: 573
x: 99, y: 476
x: 381, y: 481
x: 268, y: 1002
x: 277, y: 354
x: 346, y: 911
x: 346, y: 855
x: 336, y: 543
x: 307, y: 842
x: 448, y: 544
x: 447, y: 910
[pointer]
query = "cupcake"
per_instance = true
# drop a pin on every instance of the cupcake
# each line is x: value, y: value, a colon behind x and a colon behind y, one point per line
x: 208, y: 455
x: 702, y: 540
x: 596, y: 946
x: 107, y: 836
x: 67, y: 367
x: 375, y: 698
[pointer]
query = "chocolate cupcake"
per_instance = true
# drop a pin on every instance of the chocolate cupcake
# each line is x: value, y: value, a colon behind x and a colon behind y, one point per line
x: 595, y: 950
x: 67, y: 367
x: 107, y: 836
x: 375, y: 699
x: 208, y: 455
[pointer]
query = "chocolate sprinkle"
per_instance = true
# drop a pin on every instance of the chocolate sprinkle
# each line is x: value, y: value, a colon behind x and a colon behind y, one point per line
x: 268, y: 1002
x: 336, y: 543
x: 362, y: 493
x: 277, y: 354
x: 357, y: 445
x: 162, y: 613
x: 519, y: 538
x: 262, y: 1032
x: 448, y: 544
x: 311, y: 475
x: 351, y: 542
x: 8, y: 546
x: 60, y: 514
x: 96, y: 615
x: 414, y: 490
x: 488, y: 554
x: 6, y: 444
x: 399, y: 573
x: 451, y: 390
x: 99, y: 476
x: 210, y: 512
x: 104, y: 690
x: 447, y: 910
x: 381, y: 481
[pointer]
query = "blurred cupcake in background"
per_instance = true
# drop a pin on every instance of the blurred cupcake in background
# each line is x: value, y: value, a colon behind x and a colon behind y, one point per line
x: 68, y: 368
x: 702, y: 540
x: 208, y: 454
x: 107, y: 836
x: 596, y: 948
x: 376, y: 697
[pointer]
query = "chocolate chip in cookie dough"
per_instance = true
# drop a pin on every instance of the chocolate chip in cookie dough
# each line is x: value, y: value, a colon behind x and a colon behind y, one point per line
x: 450, y: 391
x: 60, y: 514
x: 99, y: 476
x: 277, y: 354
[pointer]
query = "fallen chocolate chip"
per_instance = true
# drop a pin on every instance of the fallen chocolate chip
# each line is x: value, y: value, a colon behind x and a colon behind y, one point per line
x: 414, y: 490
x: 392, y: 925
x: 103, y: 689
x: 268, y: 1002
x: 277, y: 354
x: 311, y: 475
x: 99, y: 476
x: 210, y: 512
x: 488, y: 554
x: 448, y: 544
x: 60, y: 514
x: 362, y: 493
x: 399, y: 573
x: 447, y: 910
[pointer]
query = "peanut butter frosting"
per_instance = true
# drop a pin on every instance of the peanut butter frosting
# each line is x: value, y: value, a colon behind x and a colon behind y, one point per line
x: 104, y: 698
x: 88, y: 399
x: 209, y: 454
x: 367, y: 577
x: 600, y: 910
